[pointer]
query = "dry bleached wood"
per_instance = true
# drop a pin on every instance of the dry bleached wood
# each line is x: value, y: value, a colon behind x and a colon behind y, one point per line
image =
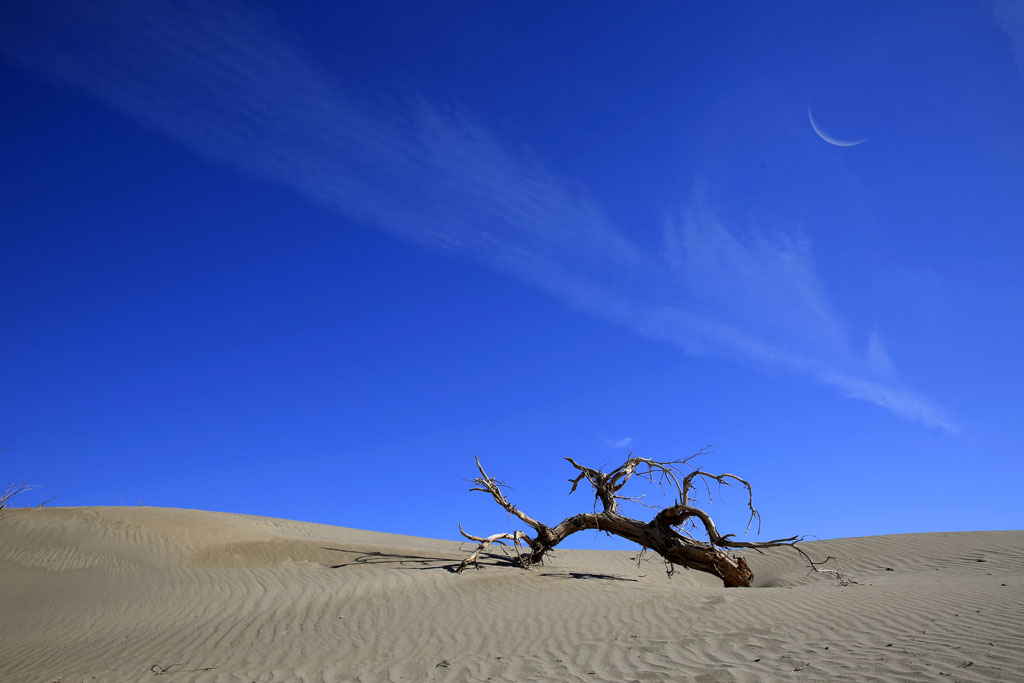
x: 666, y: 534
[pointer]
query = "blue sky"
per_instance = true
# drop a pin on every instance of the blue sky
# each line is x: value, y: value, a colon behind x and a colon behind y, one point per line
x: 305, y: 261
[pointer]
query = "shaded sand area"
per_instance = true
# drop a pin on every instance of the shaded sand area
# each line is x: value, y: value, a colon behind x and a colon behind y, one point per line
x: 166, y: 595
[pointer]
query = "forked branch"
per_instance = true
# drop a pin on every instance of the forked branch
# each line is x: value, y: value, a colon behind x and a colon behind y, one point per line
x: 473, y: 558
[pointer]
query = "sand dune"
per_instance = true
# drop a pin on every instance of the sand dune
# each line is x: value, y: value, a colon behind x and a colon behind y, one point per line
x: 151, y: 594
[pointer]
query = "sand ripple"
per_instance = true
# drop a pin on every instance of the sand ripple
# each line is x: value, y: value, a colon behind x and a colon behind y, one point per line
x: 143, y: 594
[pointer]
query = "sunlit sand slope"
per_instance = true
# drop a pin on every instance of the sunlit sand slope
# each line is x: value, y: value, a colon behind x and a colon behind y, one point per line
x: 148, y: 594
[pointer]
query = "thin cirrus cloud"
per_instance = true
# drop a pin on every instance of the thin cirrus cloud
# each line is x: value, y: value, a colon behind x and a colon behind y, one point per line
x: 225, y: 85
x: 761, y: 298
x: 1009, y: 14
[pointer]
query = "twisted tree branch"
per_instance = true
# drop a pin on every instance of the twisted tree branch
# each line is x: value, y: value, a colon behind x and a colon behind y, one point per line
x: 665, y: 534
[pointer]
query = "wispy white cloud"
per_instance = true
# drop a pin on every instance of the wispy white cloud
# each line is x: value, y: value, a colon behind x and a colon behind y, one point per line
x: 225, y: 85
x: 764, y: 284
x: 878, y: 358
x: 759, y: 296
x: 624, y: 442
x: 1009, y: 14
x: 902, y: 402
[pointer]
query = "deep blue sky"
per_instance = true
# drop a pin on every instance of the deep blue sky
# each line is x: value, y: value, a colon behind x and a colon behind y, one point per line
x: 306, y: 259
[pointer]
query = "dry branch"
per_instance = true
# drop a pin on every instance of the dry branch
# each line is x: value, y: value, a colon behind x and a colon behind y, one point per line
x: 666, y: 534
x: 10, y: 492
x: 500, y: 539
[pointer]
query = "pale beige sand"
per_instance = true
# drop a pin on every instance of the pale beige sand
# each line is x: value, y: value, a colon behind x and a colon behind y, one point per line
x: 121, y: 594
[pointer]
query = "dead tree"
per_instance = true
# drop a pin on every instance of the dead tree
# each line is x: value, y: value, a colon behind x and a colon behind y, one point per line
x: 667, y: 533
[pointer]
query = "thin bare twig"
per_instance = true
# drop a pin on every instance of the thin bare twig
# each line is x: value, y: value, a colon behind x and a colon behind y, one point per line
x: 11, y: 491
x: 157, y: 669
x: 815, y: 566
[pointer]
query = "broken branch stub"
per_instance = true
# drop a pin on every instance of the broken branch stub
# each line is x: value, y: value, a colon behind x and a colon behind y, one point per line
x: 664, y: 534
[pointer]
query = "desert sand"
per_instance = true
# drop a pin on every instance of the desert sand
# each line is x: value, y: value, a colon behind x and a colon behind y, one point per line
x: 165, y: 595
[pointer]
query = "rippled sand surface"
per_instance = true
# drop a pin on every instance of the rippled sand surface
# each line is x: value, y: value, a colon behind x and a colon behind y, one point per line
x: 153, y: 594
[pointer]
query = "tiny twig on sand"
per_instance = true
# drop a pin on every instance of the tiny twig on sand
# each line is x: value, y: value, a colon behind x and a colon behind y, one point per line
x: 157, y: 669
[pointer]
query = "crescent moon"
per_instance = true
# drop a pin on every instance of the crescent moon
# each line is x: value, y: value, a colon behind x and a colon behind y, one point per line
x: 828, y: 138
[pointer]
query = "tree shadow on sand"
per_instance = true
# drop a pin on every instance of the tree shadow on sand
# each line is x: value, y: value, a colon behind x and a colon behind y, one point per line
x: 404, y: 560
x: 421, y: 562
x: 588, y: 575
